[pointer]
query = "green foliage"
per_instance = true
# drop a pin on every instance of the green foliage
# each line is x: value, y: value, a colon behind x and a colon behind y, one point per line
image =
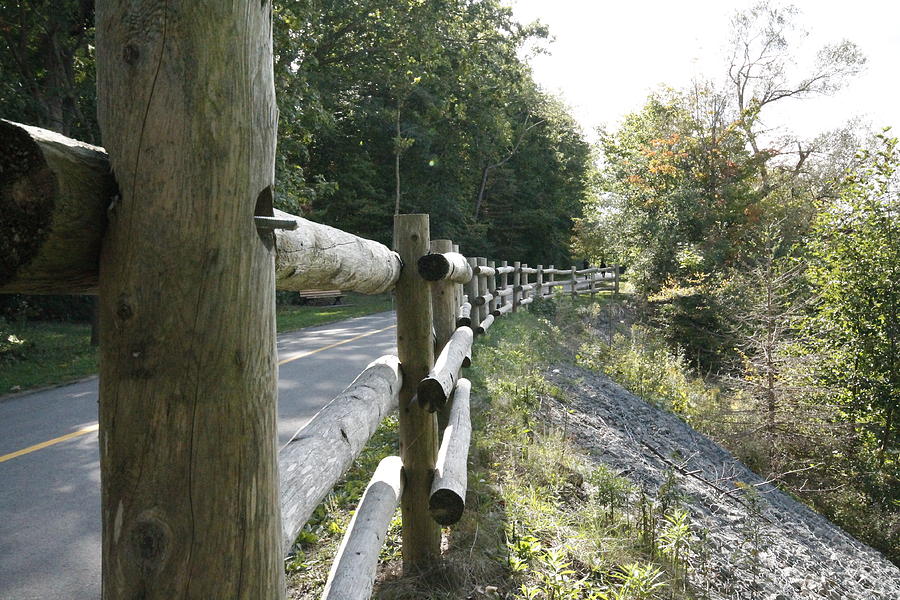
x: 856, y: 273
x: 644, y: 363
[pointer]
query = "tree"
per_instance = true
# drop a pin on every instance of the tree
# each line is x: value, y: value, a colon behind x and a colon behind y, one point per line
x: 856, y: 273
x: 47, y: 77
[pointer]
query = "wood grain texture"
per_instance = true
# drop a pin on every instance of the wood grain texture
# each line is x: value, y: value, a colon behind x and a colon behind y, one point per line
x: 318, y: 455
x: 444, y: 306
x: 448, y: 491
x: 54, y: 192
x: 418, y: 428
x: 353, y: 570
x: 435, y: 389
x: 316, y: 256
x: 186, y: 106
x: 471, y: 289
x: 445, y: 265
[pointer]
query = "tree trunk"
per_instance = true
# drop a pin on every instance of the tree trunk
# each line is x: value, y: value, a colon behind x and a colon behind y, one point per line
x: 186, y: 105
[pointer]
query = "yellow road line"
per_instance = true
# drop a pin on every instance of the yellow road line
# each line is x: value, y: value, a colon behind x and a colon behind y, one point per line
x: 92, y: 428
x: 62, y: 438
x: 334, y: 345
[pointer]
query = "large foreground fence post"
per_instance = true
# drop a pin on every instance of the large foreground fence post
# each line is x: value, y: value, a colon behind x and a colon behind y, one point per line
x: 421, y: 535
x: 189, y: 489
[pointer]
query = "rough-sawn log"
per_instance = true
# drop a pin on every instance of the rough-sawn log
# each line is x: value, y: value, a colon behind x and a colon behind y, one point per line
x: 321, y: 452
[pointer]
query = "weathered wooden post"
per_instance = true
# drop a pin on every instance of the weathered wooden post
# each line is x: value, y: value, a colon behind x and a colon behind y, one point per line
x: 504, y: 284
x: 458, y: 287
x: 539, y: 282
x: 517, y: 283
x: 445, y: 306
x: 524, y: 282
x: 471, y: 289
x: 552, y: 272
x: 593, y: 284
x: 616, y: 279
x: 574, y: 283
x: 189, y: 489
x: 482, y: 289
x: 492, y: 289
x: 418, y: 427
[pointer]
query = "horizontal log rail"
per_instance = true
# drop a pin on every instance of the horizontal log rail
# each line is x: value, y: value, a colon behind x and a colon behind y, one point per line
x: 482, y: 271
x: 448, y: 489
x: 528, y: 270
x: 353, y: 570
x: 319, y: 454
x: 56, y: 193
x: 485, y: 324
x: 464, y: 318
x: 315, y: 256
x: 434, y: 390
x: 505, y: 270
x: 482, y: 300
x: 502, y: 310
x: 447, y: 266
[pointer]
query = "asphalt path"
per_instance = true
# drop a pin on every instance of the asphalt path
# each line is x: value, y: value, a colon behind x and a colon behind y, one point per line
x: 50, y: 494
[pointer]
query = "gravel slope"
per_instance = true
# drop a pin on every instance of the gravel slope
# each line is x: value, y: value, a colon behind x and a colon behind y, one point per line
x: 761, y: 546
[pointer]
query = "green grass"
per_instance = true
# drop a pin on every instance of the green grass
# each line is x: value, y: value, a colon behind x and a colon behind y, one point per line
x: 542, y: 521
x: 292, y: 317
x: 36, y: 354
x: 39, y: 354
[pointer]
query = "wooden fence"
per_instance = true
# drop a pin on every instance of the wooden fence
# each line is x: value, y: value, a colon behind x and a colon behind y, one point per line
x: 444, y: 301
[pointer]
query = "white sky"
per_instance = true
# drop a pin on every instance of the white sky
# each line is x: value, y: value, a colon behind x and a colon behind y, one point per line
x: 609, y: 54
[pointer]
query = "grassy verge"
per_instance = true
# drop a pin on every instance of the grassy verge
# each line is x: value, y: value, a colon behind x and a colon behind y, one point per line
x: 543, y: 521
x: 34, y: 354
x: 292, y: 317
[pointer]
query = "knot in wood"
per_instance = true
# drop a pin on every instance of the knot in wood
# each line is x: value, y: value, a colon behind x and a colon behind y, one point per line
x: 124, y: 310
x: 149, y: 542
x: 130, y: 54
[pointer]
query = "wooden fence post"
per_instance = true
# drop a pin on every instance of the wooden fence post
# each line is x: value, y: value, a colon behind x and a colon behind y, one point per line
x: 444, y: 305
x: 552, y: 272
x: 539, y: 282
x: 458, y: 288
x: 504, y: 284
x: 517, y: 290
x: 188, y: 375
x: 471, y: 290
x: 492, y: 288
x: 418, y: 427
x: 574, y: 283
x: 483, y: 311
x: 616, y: 279
x: 523, y: 282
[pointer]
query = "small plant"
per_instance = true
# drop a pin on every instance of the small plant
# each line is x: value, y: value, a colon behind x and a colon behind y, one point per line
x: 637, y: 581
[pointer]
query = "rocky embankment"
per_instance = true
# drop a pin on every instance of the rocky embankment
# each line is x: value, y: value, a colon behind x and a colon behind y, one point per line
x: 754, y: 542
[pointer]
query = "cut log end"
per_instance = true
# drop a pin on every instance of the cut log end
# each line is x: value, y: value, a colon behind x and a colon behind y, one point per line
x: 446, y: 506
x: 27, y: 187
x: 431, y: 394
x: 433, y: 267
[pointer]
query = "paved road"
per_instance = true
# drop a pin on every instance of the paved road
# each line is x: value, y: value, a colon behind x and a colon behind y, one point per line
x: 50, y: 497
